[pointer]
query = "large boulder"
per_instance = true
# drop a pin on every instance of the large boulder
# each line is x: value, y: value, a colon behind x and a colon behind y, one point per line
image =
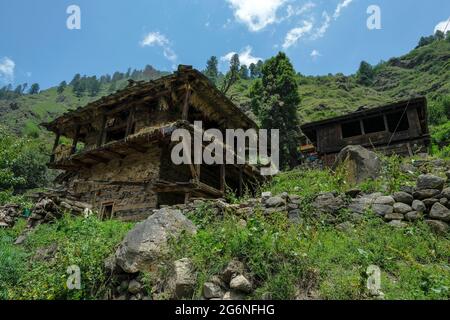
x: 360, y: 164
x: 147, y: 242
x: 428, y: 181
x: 439, y: 212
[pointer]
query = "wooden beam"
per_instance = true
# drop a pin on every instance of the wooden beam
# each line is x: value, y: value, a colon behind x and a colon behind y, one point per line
x: 136, y: 147
x: 114, y: 154
x: 75, y: 140
x: 101, y: 135
x: 130, y: 121
x: 185, y: 113
x: 96, y: 158
x: 55, y: 145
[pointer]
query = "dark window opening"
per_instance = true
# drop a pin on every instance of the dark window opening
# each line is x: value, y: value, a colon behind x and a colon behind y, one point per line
x: 107, y: 211
x: 375, y: 124
x: 397, y: 122
x: 351, y: 129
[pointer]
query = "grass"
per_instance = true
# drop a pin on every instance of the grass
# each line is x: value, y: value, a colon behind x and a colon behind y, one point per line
x: 82, y: 242
x: 286, y: 260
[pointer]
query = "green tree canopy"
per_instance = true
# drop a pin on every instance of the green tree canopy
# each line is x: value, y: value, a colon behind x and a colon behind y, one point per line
x: 278, y: 100
x: 212, y: 69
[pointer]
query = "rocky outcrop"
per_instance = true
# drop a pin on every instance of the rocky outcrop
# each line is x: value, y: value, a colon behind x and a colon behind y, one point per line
x: 360, y: 164
x: 147, y: 241
x: 9, y: 215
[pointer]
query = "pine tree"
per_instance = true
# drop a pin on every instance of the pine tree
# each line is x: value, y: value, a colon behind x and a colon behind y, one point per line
x: 278, y: 100
x: 243, y: 72
x: 365, y: 74
x: 34, y: 89
x: 212, y: 70
x: 233, y: 74
x: 62, y: 86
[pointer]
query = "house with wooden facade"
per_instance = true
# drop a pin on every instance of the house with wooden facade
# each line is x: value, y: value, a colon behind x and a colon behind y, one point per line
x: 399, y: 128
x: 119, y: 158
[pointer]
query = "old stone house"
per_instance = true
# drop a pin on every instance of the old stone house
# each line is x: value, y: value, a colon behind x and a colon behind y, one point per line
x: 399, y: 128
x: 119, y: 156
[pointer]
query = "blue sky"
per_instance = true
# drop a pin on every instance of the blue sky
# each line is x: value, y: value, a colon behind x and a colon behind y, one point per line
x: 320, y: 36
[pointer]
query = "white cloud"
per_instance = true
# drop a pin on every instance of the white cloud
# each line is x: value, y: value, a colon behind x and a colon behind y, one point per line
x: 343, y: 4
x: 320, y: 32
x: 295, y: 34
x: 296, y: 11
x: 443, y: 26
x: 7, y: 70
x: 315, y: 54
x: 158, y: 39
x: 256, y: 14
x: 245, y: 57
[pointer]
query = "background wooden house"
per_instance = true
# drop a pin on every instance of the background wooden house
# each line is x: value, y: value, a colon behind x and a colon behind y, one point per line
x: 399, y: 128
x: 119, y: 159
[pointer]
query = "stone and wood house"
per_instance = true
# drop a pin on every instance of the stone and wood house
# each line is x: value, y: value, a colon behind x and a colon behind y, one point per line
x: 399, y: 128
x: 119, y: 158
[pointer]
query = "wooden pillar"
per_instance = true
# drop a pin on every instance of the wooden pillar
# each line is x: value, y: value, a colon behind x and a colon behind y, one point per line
x: 197, y: 169
x: 101, y: 135
x: 185, y: 113
x: 363, y: 132
x: 55, y: 145
x: 415, y: 129
x: 130, y: 121
x: 386, y: 125
x: 75, y: 140
x: 222, y: 178
x: 187, y: 197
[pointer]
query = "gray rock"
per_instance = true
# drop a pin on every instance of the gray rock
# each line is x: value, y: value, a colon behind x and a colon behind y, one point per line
x: 134, y: 287
x: 146, y: 243
x: 402, y: 208
x: 413, y: 216
x: 418, y: 206
x: 328, y: 203
x: 448, y: 174
x: 212, y: 290
x: 438, y: 227
x: 234, y: 268
x: 382, y: 209
x: 353, y: 193
x: 428, y: 181
x: 345, y: 226
x: 403, y: 197
x: 394, y: 216
x: 182, y: 282
x: 444, y: 202
x: 241, y: 283
x: 425, y: 194
x: 397, y: 224
x: 361, y: 164
x: 446, y: 193
x: 284, y: 195
x: 233, y: 295
x: 386, y: 200
x: 294, y: 216
x: 430, y: 202
x: 275, y: 202
x: 266, y: 195
x: 439, y: 212
x: 407, y: 189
